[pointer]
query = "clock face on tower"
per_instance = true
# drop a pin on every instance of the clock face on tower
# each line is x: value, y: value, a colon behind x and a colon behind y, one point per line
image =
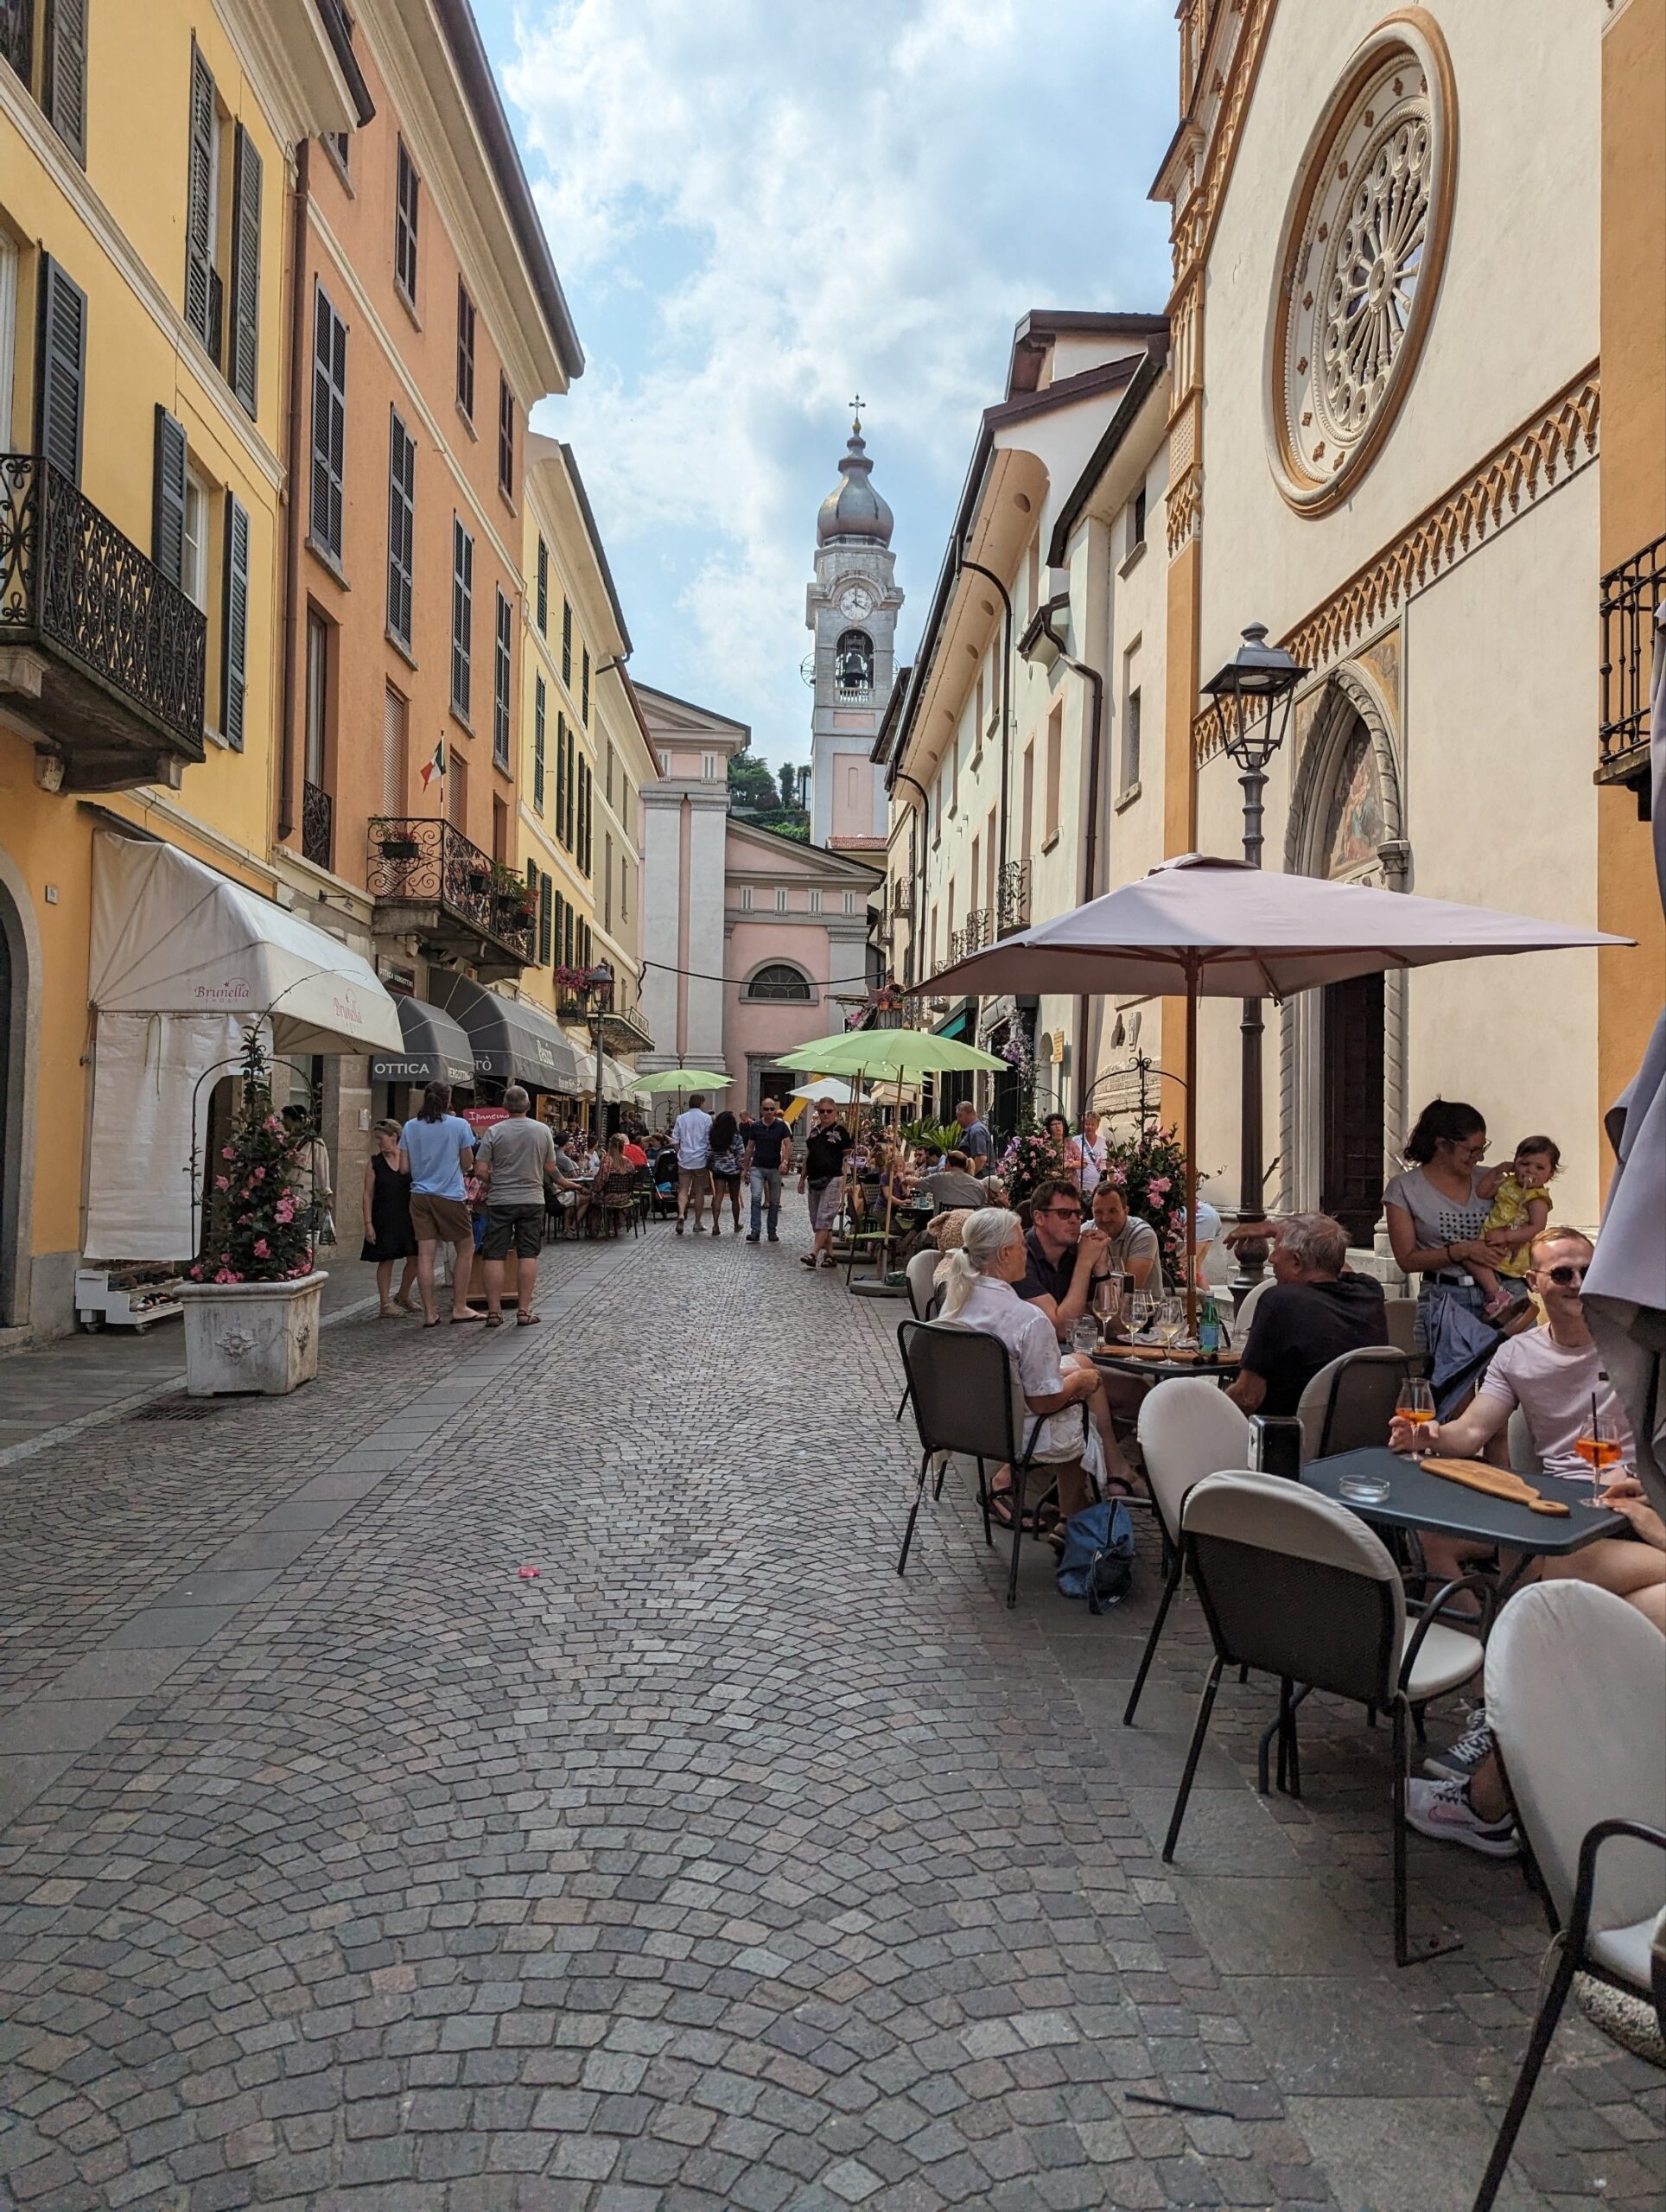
x: 856, y: 603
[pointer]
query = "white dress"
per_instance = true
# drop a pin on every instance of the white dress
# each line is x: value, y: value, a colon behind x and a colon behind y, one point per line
x: 996, y: 1307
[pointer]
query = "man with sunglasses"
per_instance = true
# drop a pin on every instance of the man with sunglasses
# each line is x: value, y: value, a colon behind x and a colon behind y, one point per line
x: 1061, y: 1255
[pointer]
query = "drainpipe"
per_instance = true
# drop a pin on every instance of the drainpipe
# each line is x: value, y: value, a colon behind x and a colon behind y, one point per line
x: 288, y: 689
x: 1096, y: 683
x: 916, y: 922
x: 978, y: 568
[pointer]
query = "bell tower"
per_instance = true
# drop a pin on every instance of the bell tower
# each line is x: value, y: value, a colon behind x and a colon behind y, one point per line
x: 851, y: 608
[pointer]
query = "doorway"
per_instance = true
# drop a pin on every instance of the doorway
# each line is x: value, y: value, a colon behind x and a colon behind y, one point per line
x: 1350, y: 1185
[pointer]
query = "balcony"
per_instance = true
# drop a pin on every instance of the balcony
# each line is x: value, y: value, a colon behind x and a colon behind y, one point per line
x: 902, y: 895
x: 1013, y: 906
x: 1630, y: 595
x: 431, y: 881
x: 972, y: 936
x: 99, y: 653
x: 623, y: 1029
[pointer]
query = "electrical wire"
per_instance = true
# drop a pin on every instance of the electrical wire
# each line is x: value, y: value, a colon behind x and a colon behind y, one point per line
x: 702, y: 976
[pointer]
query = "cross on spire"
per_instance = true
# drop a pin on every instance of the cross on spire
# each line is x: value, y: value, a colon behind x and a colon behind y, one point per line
x: 856, y: 426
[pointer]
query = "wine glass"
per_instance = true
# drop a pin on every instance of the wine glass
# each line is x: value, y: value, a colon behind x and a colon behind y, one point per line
x: 1415, y: 1404
x: 1108, y: 1301
x: 1171, y: 1320
x: 1139, y: 1312
x: 1598, y: 1443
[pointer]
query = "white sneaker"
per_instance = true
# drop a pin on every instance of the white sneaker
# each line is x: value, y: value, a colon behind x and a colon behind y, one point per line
x: 1442, y: 1810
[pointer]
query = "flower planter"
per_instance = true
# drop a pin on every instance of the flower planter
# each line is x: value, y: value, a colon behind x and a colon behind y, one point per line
x: 400, y: 849
x: 252, y: 1336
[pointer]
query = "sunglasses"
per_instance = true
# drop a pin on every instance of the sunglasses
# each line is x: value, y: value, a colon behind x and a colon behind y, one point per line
x: 1566, y: 1275
x: 1064, y: 1213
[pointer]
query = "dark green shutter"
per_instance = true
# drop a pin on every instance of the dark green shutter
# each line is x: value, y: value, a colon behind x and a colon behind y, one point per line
x: 584, y: 691
x: 243, y: 369
x: 63, y: 93
x: 543, y: 589
x: 168, y: 498
x: 329, y: 424
x: 401, y: 526
x: 234, y: 614
x: 538, y: 707
x: 546, y: 923
x: 200, y: 202
x: 567, y: 644
x: 59, y: 369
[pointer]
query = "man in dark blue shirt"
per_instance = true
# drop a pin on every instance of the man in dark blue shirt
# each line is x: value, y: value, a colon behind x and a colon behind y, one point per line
x: 975, y: 1138
x: 769, y: 1155
x: 823, y: 1177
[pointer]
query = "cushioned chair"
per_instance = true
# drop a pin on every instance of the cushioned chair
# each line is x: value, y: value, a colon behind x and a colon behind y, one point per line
x: 1294, y: 1584
x: 1576, y: 1698
x: 1243, y: 1314
x: 1187, y: 1429
x: 1348, y: 1405
x: 967, y: 1399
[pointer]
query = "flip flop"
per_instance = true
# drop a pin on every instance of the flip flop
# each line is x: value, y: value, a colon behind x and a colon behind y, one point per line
x: 458, y: 1319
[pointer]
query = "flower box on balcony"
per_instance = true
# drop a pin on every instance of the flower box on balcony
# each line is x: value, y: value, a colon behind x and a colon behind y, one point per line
x: 399, y: 849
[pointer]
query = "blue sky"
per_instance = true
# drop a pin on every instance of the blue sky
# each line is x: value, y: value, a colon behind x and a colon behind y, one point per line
x: 759, y: 208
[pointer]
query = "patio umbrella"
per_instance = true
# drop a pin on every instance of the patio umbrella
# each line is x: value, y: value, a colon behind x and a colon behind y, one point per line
x: 1196, y: 926
x: 680, y: 1079
x: 830, y: 1087
x: 893, y: 1056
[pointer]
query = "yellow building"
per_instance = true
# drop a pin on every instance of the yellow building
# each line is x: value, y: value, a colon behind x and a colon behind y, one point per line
x: 144, y: 159
x: 585, y: 757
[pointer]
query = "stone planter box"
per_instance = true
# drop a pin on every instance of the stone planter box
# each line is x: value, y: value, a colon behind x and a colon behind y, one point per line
x: 245, y: 1336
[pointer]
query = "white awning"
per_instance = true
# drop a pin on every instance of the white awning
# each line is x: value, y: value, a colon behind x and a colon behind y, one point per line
x: 170, y: 936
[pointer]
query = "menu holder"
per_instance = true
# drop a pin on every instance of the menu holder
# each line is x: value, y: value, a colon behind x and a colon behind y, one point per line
x: 1496, y: 1482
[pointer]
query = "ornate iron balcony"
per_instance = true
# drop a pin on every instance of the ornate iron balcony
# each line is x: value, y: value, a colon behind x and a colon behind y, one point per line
x: 1013, y: 903
x: 429, y: 879
x: 1630, y: 595
x: 99, y: 651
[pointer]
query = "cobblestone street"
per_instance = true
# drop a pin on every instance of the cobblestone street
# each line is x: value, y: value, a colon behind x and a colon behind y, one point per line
x: 716, y: 1867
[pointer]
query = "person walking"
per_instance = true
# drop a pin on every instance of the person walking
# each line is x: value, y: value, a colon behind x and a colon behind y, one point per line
x: 769, y: 1155
x: 823, y: 1177
x: 389, y: 1236
x: 515, y: 1160
x: 691, y: 1134
x: 727, y: 1154
x: 436, y: 1149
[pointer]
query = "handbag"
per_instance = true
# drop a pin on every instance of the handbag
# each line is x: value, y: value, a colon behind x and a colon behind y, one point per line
x: 1097, y: 1561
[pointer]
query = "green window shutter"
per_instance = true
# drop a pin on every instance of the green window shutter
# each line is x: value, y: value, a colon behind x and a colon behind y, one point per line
x: 242, y: 369
x: 200, y: 203
x: 63, y: 93
x: 462, y: 616
x: 545, y: 921
x: 329, y: 424
x: 543, y: 589
x: 567, y: 644
x: 538, y: 704
x: 234, y: 616
x: 584, y: 692
x: 59, y: 369
x: 168, y: 498
x: 401, y: 526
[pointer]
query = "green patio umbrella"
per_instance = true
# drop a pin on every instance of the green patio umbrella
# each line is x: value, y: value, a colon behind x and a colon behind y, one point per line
x: 681, y: 1079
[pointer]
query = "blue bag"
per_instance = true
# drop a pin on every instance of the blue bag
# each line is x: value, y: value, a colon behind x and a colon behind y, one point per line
x: 1097, y: 1561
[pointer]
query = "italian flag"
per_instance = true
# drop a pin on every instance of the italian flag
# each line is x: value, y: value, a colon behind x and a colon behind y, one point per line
x: 435, y: 766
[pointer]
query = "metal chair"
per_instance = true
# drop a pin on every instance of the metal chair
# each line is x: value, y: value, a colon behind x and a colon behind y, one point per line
x: 967, y: 1399
x: 1576, y: 1698
x: 1348, y: 1405
x: 1294, y: 1584
x: 615, y: 1202
x: 1187, y: 1429
x: 923, y: 1297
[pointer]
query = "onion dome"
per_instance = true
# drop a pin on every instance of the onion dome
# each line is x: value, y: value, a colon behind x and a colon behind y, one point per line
x: 853, y: 511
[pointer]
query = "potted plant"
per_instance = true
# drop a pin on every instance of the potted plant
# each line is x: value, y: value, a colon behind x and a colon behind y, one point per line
x: 1031, y: 1158
x: 252, y: 1304
x: 1149, y: 1169
x: 393, y: 840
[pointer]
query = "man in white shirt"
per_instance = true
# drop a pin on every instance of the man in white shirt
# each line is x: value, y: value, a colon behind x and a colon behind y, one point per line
x: 691, y: 1134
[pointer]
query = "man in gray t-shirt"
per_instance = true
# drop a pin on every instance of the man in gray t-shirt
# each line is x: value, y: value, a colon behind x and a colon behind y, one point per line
x: 514, y: 1158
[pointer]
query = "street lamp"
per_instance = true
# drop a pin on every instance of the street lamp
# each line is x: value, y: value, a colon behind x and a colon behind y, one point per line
x: 598, y: 994
x: 1252, y: 697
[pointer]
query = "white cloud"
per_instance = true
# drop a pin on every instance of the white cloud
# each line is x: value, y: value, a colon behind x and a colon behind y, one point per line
x: 756, y: 209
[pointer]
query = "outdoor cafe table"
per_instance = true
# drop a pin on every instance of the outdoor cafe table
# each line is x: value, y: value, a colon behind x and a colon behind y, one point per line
x: 1418, y: 1499
x: 1157, y: 1366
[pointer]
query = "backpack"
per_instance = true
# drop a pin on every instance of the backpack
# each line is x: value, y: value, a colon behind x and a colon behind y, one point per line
x: 1097, y: 1561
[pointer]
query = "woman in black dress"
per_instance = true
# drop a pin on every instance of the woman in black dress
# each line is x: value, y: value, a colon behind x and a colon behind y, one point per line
x: 388, y: 1233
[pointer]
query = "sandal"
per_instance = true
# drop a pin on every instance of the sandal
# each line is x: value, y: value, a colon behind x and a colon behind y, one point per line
x: 528, y: 1320
x: 1001, y: 1512
x: 494, y: 1321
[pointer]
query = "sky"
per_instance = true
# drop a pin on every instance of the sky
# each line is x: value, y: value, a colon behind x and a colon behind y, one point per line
x: 759, y: 208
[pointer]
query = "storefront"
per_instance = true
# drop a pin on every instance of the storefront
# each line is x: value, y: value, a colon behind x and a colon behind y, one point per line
x: 436, y: 1050
x: 511, y: 1041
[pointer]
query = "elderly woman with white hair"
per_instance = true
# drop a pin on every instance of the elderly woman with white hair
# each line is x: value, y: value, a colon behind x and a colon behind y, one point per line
x: 977, y: 1280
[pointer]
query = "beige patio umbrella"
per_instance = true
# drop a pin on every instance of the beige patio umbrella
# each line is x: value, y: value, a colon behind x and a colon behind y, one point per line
x: 1196, y: 926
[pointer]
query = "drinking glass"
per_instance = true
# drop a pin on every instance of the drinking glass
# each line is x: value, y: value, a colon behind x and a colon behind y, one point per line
x: 1084, y: 1336
x: 1415, y: 1404
x: 1139, y: 1311
x: 1108, y: 1301
x: 1171, y: 1320
x: 1597, y: 1444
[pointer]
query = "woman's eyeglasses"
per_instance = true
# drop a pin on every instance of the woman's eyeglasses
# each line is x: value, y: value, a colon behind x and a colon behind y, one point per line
x: 1566, y: 1275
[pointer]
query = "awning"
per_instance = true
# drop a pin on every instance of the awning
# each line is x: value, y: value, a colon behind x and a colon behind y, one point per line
x: 170, y: 936
x: 512, y: 1041
x: 436, y: 1049
x: 618, y: 1082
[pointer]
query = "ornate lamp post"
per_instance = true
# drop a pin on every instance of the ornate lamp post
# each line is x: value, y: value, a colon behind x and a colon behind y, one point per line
x: 1253, y: 697
x: 598, y: 997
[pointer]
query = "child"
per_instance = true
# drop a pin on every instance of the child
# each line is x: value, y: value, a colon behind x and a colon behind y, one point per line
x: 1521, y: 1206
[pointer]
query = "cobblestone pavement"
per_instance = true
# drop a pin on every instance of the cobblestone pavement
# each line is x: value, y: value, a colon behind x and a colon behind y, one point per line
x: 339, y: 1867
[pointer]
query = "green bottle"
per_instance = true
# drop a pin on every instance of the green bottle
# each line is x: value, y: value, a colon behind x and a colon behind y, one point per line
x: 1209, y: 1327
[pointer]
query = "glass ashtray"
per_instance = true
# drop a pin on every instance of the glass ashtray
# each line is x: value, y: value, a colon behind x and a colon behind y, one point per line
x: 1364, y: 1489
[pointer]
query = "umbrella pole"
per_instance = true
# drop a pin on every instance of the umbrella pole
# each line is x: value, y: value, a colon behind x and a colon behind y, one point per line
x: 890, y: 1188
x: 1191, y: 1149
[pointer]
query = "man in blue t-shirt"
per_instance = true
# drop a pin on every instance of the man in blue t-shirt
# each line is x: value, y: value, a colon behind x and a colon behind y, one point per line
x: 769, y: 1155
x: 975, y: 1138
x: 436, y: 1150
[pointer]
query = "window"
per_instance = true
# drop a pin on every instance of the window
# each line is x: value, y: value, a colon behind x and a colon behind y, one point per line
x: 329, y: 424
x: 567, y: 644
x: 560, y: 777
x: 540, y: 701
x: 500, y: 673
x: 203, y: 277
x: 1131, y: 741
x: 402, y: 527
x: 584, y: 691
x: 169, y: 483
x: 1027, y: 818
x: 610, y: 772
x: 505, y: 439
x: 569, y: 817
x: 395, y: 764
x: 1055, y: 767
x: 61, y: 369
x: 499, y: 831
x: 780, y: 900
x: 8, y: 327
x: 624, y: 890
x: 243, y: 366
x: 850, y: 902
x: 63, y: 64
x: 607, y: 882
x: 234, y: 624
x: 462, y: 616
x: 1136, y: 521
x: 543, y: 589
x: 778, y: 980
x: 406, y: 188
x: 814, y: 902
x: 465, y: 350
x: 194, y: 568
x: 318, y: 698
x: 546, y: 921
x: 456, y: 790
x: 586, y: 815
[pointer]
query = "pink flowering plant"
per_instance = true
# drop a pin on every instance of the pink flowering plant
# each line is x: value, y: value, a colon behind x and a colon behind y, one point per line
x: 1030, y: 1158
x: 258, y: 1229
x: 1149, y: 1169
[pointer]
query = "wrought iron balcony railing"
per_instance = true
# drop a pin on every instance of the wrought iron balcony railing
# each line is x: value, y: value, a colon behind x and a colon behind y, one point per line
x: 104, y: 654
x: 426, y: 877
x: 1012, y: 899
x: 1630, y: 595
x: 902, y: 895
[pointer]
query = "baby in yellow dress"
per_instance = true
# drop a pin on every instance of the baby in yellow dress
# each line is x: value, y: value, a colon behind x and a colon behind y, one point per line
x: 1521, y: 1206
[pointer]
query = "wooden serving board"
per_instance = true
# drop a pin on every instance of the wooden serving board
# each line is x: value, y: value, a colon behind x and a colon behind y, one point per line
x: 1496, y: 1482
x: 1159, y: 1352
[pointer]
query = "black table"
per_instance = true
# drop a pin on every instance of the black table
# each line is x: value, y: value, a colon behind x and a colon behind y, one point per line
x: 1159, y: 1367
x: 1418, y: 1499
